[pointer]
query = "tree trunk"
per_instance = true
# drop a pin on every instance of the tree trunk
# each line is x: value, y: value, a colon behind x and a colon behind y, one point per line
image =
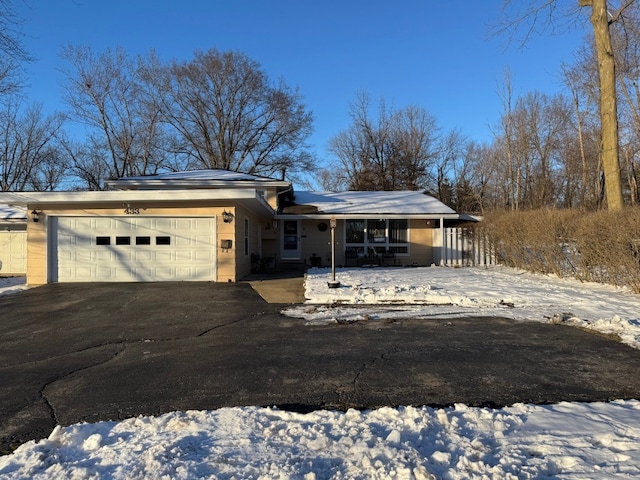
x: 608, y: 108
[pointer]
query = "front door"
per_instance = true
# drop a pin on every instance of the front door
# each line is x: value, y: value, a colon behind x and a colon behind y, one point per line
x: 290, y: 240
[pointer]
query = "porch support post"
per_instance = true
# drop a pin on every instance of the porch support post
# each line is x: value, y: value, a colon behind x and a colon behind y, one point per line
x: 333, y: 283
x: 443, y: 244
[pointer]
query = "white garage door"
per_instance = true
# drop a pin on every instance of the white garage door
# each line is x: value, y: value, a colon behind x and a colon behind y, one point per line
x: 134, y: 249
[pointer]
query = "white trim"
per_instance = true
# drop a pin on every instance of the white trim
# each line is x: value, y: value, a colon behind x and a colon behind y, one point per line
x: 367, y: 216
x: 43, y: 198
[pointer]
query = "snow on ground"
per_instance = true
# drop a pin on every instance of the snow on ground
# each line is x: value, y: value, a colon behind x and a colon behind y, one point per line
x: 566, y: 440
x: 11, y: 285
x: 453, y: 292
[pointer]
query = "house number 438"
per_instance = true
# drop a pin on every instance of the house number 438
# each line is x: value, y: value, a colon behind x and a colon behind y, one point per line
x: 132, y: 211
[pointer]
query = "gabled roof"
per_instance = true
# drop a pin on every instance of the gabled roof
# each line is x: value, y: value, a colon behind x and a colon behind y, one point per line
x: 404, y: 204
x: 215, y: 178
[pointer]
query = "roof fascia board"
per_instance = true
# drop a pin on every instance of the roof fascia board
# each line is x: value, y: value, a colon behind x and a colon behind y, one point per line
x: 116, y: 196
x: 342, y: 216
x: 194, y: 184
x: 247, y: 197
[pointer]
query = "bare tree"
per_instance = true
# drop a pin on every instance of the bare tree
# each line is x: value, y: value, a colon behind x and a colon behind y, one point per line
x: 449, y: 155
x: 12, y: 53
x: 28, y: 150
x: 106, y: 94
x: 542, y: 14
x: 601, y: 20
x: 504, y: 134
x: 229, y: 115
x: 395, y: 150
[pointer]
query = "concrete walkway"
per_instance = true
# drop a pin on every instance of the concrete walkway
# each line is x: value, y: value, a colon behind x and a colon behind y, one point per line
x: 284, y: 286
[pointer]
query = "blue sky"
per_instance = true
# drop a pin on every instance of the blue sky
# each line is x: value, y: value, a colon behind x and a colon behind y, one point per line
x: 434, y: 54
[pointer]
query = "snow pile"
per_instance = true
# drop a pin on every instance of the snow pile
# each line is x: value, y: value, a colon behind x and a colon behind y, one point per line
x: 12, y: 285
x: 444, y: 292
x: 568, y: 440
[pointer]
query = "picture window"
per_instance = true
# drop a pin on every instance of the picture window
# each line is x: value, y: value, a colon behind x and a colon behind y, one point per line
x: 377, y: 236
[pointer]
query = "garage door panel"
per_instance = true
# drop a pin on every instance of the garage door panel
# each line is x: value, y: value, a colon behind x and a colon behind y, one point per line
x: 135, y: 248
x: 103, y: 272
x: 103, y: 256
x: 83, y: 273
x: 144, y: 256
x: 203, y: 256
x: 163, y: 256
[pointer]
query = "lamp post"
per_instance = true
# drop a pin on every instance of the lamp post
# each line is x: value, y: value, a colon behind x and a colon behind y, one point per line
x: 333, y: 283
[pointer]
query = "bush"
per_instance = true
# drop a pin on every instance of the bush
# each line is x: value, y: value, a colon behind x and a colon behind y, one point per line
x: 592, y: 246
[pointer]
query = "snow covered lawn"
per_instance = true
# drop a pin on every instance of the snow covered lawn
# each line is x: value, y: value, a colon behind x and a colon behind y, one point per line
x: 457, y: 292
x: 567, y: 440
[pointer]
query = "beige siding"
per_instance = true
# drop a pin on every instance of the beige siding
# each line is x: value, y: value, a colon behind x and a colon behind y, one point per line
x: 271, y: 196
x: 257, y: 230
x: 421, y: 244
x: 37, y: 252
x: 317, y: 242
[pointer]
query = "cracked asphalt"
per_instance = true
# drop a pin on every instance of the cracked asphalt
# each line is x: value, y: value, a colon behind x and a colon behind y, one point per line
x: 89, y: 352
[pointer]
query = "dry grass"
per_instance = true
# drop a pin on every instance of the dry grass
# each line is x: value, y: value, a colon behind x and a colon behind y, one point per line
x: 593, y: 246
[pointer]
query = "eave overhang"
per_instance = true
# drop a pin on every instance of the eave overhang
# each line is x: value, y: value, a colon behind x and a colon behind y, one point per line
x: 249, y: 198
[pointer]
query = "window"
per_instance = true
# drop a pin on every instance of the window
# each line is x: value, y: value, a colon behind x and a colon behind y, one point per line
x: 143, y: 240
x: 377, y: 235
x: 123, y: 240
x: 163, y: 240
x: 355, y: 231
x: 398, y: 231
x: 376, y: 231
x: 103, y: 240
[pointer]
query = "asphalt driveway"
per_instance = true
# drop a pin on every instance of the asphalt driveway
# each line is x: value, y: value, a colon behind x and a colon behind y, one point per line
x: 90, y: 352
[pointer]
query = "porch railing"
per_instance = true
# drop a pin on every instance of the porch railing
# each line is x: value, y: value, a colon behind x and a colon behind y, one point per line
x: 463, y: 247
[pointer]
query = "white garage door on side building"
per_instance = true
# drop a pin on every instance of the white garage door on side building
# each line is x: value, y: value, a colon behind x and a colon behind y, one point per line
x: 133, y: 249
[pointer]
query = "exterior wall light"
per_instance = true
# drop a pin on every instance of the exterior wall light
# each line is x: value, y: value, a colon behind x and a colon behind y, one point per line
x: 227, y: 217
x: 35, y: 216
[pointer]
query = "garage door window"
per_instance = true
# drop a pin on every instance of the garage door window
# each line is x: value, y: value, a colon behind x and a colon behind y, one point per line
x: 103, y: 240
x: 123, y: 240
x: 143, y: 240
x: 163, y: 240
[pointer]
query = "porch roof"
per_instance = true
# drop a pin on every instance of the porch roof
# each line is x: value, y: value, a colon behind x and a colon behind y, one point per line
x: 395, y: 204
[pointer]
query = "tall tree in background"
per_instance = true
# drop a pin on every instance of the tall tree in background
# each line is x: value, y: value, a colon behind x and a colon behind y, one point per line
x: 601, y: 19
x: 29, y: 156
x: 12, y: 53
x: 105, y: 94
x: 395, y: 150
x: 229, y: 115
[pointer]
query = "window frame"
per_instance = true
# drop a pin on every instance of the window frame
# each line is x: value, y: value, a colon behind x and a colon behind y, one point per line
x: 246, y: 237
x: 372, y: 238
